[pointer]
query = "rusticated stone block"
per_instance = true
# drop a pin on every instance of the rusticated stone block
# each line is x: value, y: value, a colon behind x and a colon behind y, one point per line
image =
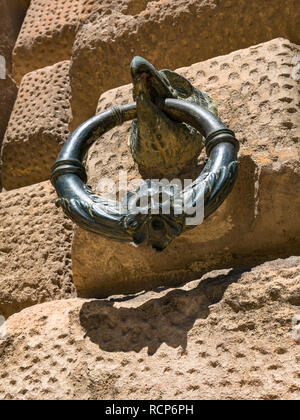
x: 230, y: 335
x: 256, y: 92
x: 169, y: 34
x: 47, y: 35
x: 38, y: 126
x: 11, y: 18
x: 35, y: 249
x: 50, y: 26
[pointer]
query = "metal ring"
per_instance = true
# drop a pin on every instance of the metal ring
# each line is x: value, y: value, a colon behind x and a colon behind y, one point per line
x: 95, y: 214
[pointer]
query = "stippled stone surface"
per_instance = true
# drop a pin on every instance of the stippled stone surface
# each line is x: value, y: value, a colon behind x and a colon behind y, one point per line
x: 50, y: 27
x: 11, y: 16
x: 230, y: 335
x: 35, y: 245
x: 169, y: 34
x: 258, y: 98
x: 38, y: 126
x: 46, y: 36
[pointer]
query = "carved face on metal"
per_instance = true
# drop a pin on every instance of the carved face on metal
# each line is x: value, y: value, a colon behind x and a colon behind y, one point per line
x: 161, y: 146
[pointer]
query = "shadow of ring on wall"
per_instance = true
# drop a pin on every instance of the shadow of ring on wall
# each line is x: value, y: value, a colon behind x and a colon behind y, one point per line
x: 165, y: 319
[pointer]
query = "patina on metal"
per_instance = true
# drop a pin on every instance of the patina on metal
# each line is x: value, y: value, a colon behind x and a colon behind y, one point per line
x: 172, y: 122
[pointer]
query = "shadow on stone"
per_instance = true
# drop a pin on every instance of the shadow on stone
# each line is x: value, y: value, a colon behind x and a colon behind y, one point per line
x: 165, y: 319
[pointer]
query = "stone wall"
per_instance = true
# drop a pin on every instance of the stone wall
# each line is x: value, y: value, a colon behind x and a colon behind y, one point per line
x: 215, y: 314
x: 170, y: 34
x: 38, y: 126
x: 11, y: 17
x: 35, y: 249
x: 225, y: 336
x: 50, y: 28
x: 257, y: 97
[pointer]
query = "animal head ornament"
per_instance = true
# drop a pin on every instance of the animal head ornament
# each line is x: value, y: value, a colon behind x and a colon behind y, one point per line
x: 172, y: 122
x: 159, y: 145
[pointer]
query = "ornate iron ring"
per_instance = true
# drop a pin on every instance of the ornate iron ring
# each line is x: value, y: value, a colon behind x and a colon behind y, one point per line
x: 96, y: 214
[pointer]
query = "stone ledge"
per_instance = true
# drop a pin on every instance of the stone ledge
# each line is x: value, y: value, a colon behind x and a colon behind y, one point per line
x: 226, y: 336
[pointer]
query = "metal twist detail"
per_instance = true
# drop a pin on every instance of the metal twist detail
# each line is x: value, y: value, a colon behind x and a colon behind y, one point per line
x: 117, y: 220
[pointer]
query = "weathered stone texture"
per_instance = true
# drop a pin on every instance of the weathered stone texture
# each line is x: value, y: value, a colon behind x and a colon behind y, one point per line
x: 35, y: 245
x: 258, y: 99
x: 169, y: 34
x: 47, y: 35
x: 11, y: 18
x: 226, y: 336
x: 38, y: 126
x: 8, y: 93
x: 50, y: 27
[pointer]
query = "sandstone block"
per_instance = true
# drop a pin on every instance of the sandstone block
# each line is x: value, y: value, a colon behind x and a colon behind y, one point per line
x: 170, y: 35
x: 226, y: 336
x: 46, y: 36
x: 50, y: 27
x: 38, y: 126
x: 35, y: 245
x: 11, y: 18
x: 257, y: 98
